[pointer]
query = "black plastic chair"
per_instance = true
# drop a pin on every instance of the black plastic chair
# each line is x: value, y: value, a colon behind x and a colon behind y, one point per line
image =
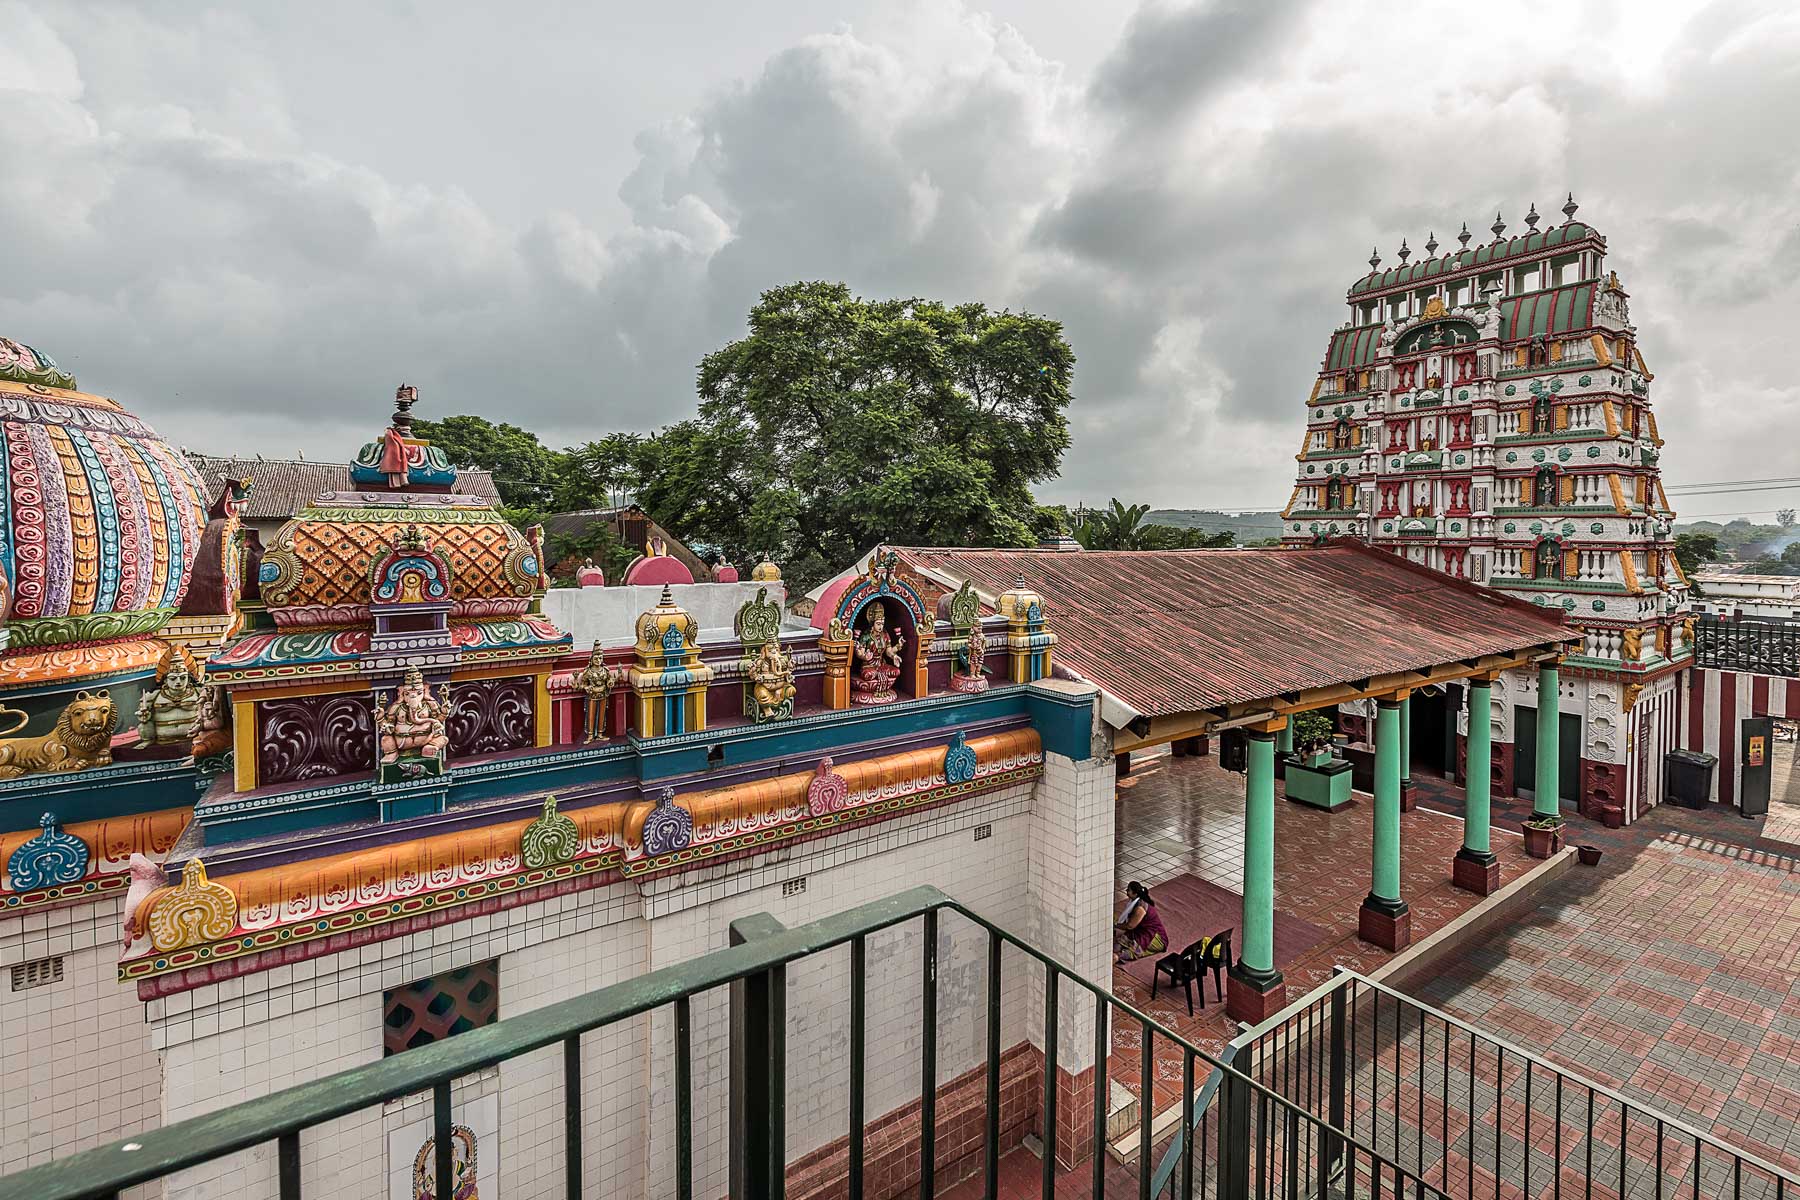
x: 1216, y: 957
x: 1182, y: 969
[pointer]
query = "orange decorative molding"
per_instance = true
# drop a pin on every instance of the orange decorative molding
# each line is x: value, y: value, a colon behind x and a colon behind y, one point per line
x: 110, y: 844
x: 79, y: 662
x: 304, y: 901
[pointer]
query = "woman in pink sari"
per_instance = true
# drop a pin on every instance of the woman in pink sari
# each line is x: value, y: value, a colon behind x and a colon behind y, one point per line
x: 1139, y: 930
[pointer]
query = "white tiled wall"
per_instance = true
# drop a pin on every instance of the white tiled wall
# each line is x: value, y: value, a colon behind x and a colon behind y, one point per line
x: 246, y: 1037
x: 1044, y: 873
x: 937, y: 848
x: 76, y: 1065
x: 1071, y: 888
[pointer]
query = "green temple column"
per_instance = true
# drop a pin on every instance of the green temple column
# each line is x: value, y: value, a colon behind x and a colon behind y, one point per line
x: 1546, y: 803
x: 1475, y: 867
x: 1255, y: 988
x: 1406, y: 784
x: 1284, y: 740
x: 1384, y: 918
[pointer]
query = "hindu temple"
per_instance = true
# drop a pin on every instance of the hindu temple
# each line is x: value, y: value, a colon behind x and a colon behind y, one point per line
x: 1486, y: 412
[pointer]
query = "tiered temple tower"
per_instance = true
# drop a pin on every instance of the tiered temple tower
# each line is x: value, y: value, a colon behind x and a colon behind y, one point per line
x: 1486, y: 412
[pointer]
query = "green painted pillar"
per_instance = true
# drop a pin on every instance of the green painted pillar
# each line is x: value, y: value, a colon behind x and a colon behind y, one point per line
x: 1405, y: 742
x: 1479, y: 774
x: 1258, y: 950
x: 1254, y: 988
x: 1385, y: 862
x: 1284, y: 741
x: 1384, y: 919
x: 1549, y: 743
x: 1475, y: 868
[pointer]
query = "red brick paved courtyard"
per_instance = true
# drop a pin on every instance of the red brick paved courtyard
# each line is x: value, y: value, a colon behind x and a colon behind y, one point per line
x: 1186, y: 816
x: 1670, y: 972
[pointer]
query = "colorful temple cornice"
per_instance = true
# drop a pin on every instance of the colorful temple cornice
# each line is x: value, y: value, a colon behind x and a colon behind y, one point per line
x: 310, y: 901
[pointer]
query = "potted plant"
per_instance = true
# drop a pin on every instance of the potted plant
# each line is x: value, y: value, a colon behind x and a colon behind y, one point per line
x: 1316, y: 776
x: 1543, y: 836
x: 1312, y: 738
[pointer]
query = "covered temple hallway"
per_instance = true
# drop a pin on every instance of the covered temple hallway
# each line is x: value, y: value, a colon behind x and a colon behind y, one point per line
x: 1180, y: 821
x: 1196, y: 647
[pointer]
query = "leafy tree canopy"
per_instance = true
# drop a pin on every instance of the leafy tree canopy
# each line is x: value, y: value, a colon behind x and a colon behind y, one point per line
x: 1694, y: 550
x: 524, y: 469
x: 840, y: 422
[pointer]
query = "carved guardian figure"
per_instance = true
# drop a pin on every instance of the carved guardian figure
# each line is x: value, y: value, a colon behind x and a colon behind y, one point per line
x: 82, y: 739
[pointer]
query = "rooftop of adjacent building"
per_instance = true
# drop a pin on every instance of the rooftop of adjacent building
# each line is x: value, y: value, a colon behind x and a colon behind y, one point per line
x: 284, y: 486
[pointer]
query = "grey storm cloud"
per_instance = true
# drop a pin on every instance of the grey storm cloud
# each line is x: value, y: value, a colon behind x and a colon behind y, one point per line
x: 249, y: 232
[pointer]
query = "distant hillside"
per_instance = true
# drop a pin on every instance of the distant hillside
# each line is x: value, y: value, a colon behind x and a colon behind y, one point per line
x: 1741, y: 539
x: 1246, y: 527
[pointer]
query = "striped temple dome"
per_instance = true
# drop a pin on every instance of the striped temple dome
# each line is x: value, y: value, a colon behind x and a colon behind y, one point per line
x: 102, y: 524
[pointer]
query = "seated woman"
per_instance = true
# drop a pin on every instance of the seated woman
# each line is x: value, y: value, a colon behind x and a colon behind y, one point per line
x: 1139, y: 930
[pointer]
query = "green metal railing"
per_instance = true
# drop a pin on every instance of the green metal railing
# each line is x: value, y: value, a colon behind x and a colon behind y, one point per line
x: 1478, y: 1116
x: 1265, y: 1142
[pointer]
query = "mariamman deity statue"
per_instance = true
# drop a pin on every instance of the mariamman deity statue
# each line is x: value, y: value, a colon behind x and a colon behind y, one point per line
x: 772, y: 683
x: 596, y: 684
x: 411, y: 726
x: 878, y: 657
x: 168, y: 713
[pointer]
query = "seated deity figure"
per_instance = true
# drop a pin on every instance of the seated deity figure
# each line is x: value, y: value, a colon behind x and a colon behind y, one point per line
x: 772, y: 680
x: 167, y: 714
x: 412, y: 724
x: 878, y: 655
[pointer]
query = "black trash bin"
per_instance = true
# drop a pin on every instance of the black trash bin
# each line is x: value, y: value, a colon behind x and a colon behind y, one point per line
x: 1687, y: 777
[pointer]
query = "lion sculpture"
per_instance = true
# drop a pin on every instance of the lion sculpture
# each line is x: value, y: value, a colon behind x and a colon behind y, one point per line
x: 82, y: 739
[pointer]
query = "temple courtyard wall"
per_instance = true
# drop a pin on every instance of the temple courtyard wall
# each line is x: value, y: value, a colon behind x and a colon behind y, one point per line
x: 1034, y: 858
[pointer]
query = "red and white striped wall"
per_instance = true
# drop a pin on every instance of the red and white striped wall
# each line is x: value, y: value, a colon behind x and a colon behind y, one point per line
x: 1655, y: 730
x: 1716, y: 702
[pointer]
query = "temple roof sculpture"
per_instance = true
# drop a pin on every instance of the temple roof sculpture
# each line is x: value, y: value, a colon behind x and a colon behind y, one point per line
x: 102, y: 523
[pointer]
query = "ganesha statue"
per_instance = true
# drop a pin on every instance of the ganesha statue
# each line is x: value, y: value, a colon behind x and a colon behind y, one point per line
x: 877, y: 659
x: 772, y: 683
x: 411, y: 730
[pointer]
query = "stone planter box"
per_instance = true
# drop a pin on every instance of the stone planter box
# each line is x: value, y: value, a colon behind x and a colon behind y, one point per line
x: 1542, y: 843
x: 1319, y: 780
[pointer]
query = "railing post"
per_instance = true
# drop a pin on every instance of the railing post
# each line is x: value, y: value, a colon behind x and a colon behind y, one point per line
x: 1334, y: 1145
x: 758, y: 1071
x: 1234, y: 1135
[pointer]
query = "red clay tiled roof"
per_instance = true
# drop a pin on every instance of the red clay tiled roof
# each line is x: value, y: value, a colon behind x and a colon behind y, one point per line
x: 1188, y: 630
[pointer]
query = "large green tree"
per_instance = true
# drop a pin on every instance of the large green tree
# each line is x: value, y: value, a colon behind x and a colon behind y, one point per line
x: 840, y: 422
x: 525, y: 471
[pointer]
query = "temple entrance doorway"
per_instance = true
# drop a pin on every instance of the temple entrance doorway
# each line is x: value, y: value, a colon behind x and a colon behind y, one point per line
x: 1434, y: 713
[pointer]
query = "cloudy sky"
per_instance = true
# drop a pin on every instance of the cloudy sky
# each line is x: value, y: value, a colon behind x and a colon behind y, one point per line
x: 250, y: 221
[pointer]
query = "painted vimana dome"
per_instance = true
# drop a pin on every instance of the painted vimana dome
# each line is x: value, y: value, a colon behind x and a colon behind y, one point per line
x: 102, y: 525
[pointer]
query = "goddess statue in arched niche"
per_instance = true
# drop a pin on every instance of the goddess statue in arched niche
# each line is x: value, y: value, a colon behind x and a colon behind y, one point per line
x: 879, y: 646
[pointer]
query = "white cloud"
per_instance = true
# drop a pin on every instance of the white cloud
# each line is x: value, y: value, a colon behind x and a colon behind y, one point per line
x: 186, y: 232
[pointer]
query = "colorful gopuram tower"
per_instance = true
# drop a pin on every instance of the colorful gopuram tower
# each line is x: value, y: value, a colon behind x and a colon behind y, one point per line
x: 1486, y: 412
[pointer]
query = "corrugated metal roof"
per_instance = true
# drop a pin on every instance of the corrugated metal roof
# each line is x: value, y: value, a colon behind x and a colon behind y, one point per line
x: 1188, y: 630
x: 285, y: 486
